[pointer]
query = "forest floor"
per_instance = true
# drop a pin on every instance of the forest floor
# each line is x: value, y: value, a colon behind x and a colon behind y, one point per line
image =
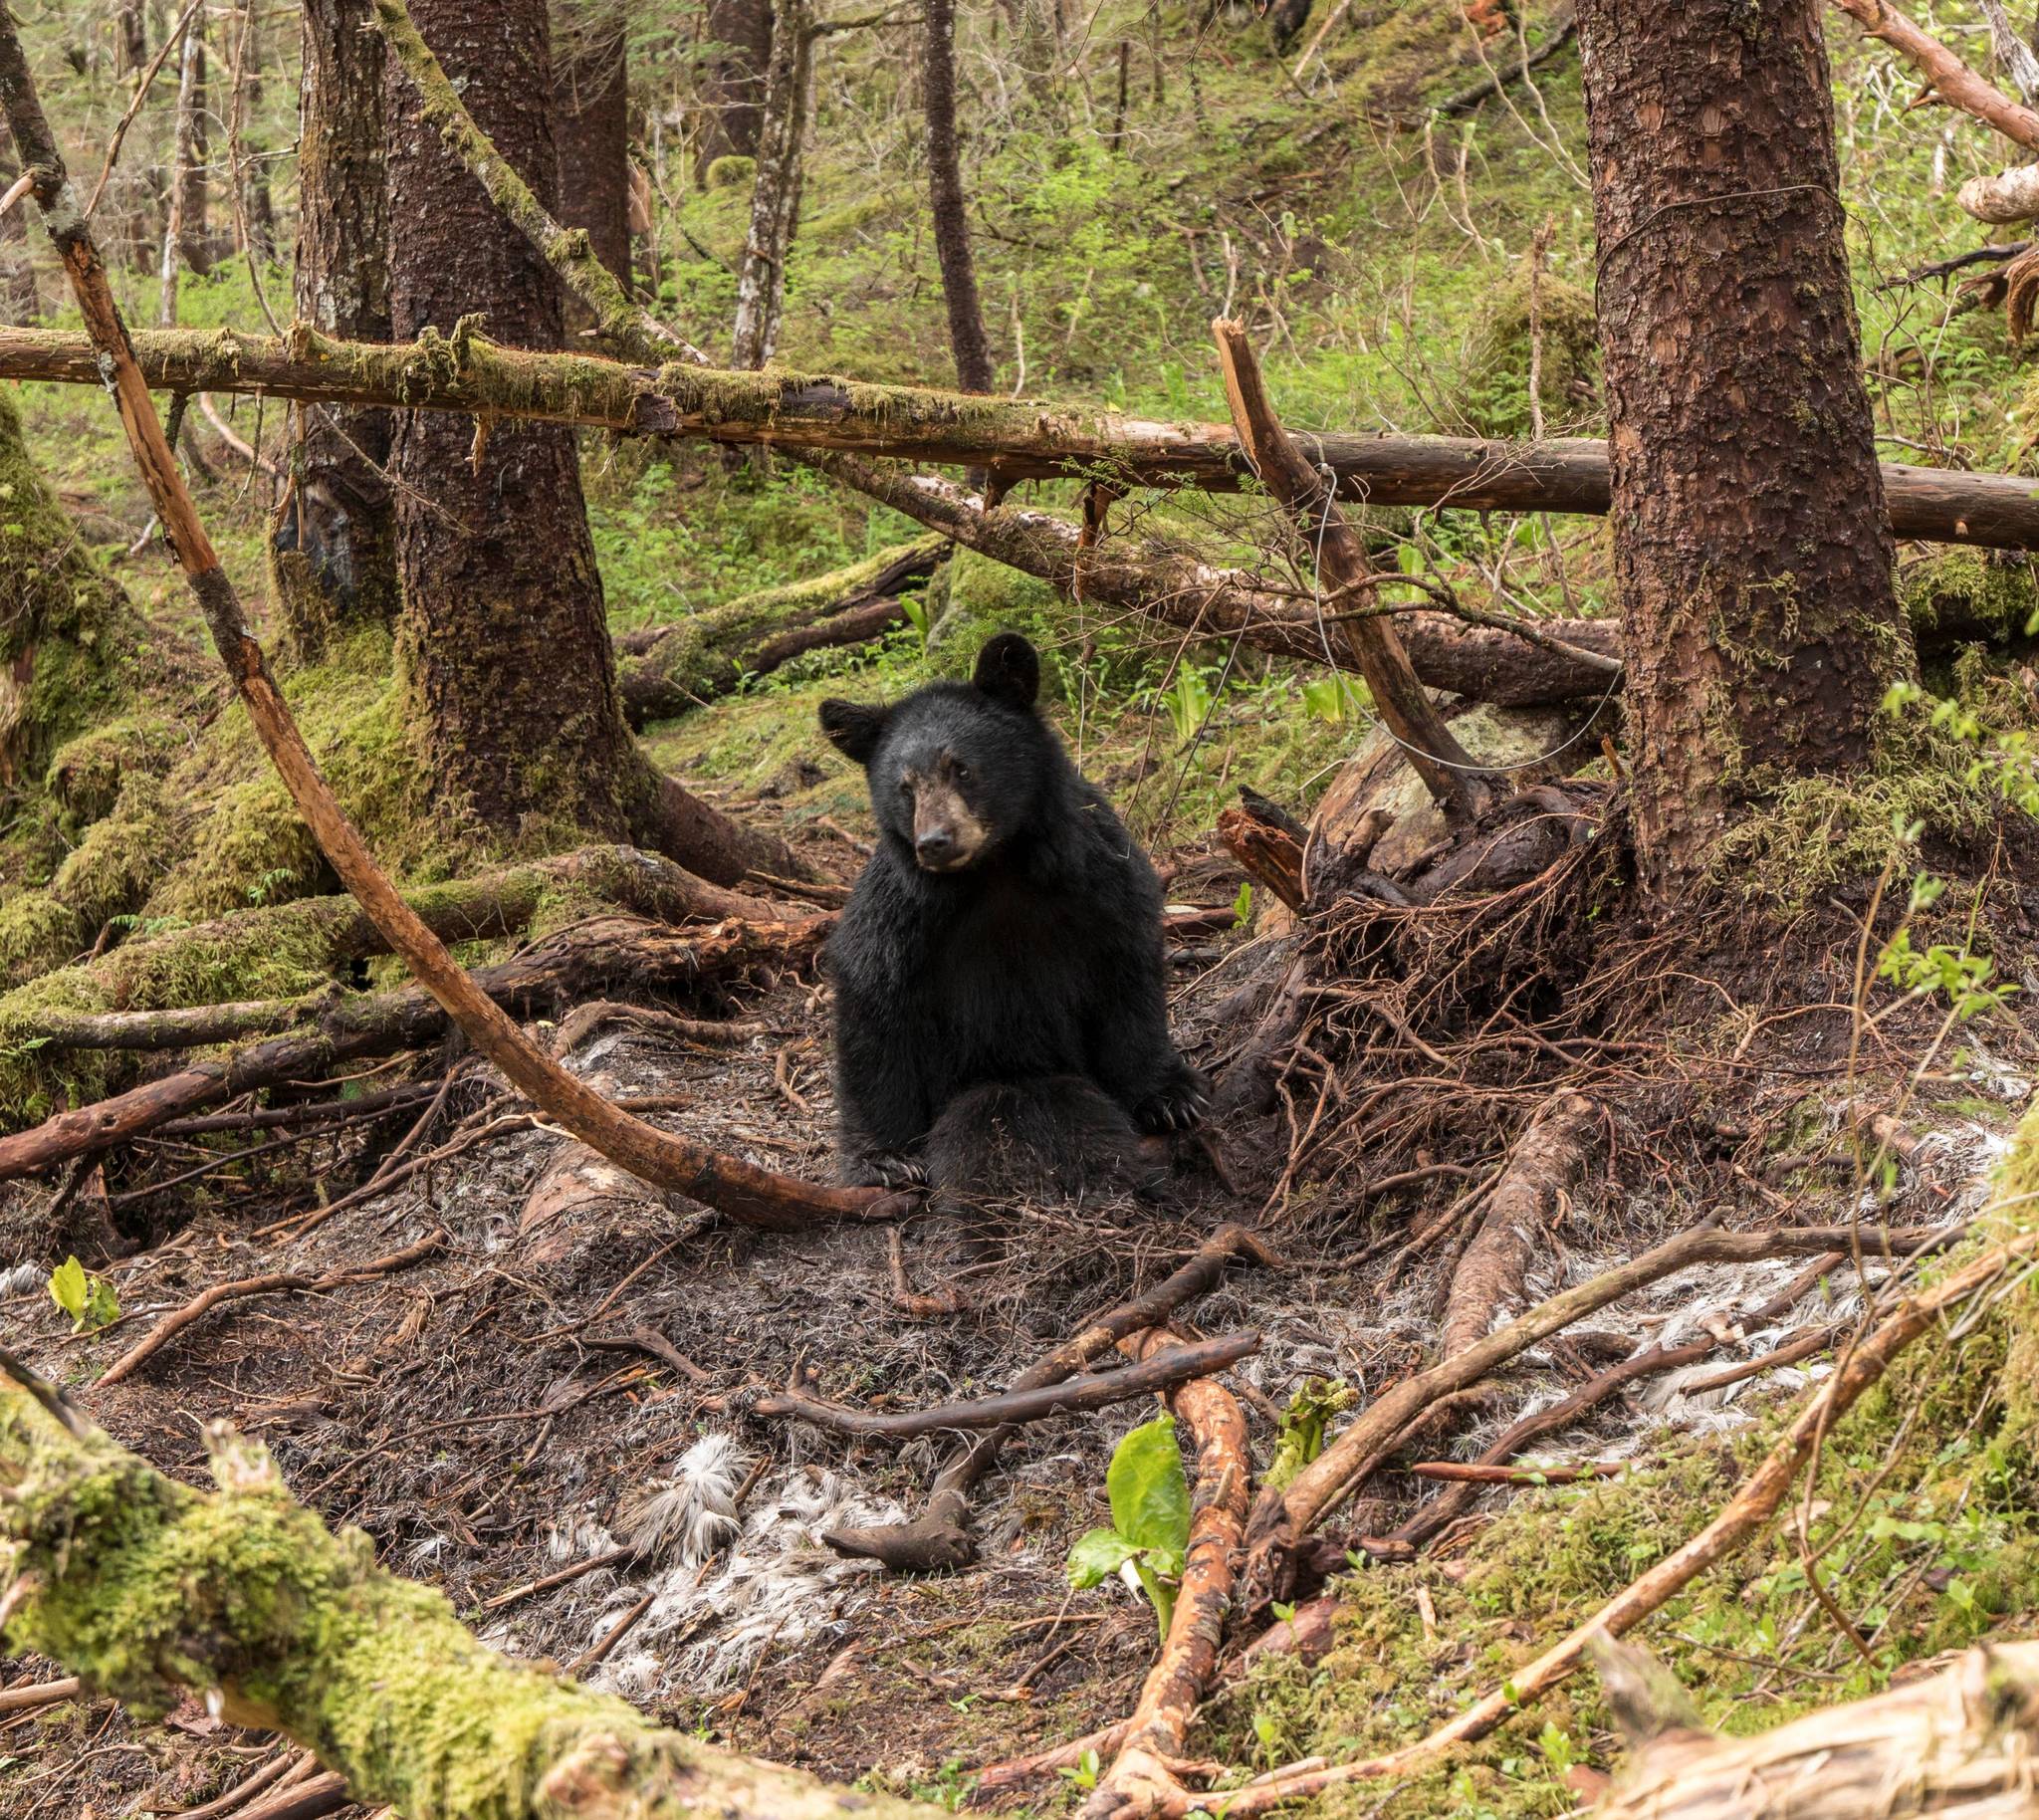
x: 473, y: 1411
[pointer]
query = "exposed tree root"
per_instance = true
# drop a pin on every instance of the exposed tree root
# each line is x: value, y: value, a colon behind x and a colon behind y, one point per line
x: 1749, y: 1510
x: 1528, y: 1200
x: 1158, y: 1370
x: 1282, y: 1518
x: 1143, y: 1777
x: 940, y: 1539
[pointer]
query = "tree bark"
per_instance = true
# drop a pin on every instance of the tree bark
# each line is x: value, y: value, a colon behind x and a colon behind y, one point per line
x: 1752, y: 548
x: 739, y: 33
x: 775, y: 190
x: 190, y: 178
x: 20, y: 302
x: 503, y: 631
x: 190, y: 97
x: 967, y: 338
x: 336, y: 545
x: 592, y: 124
x: 258, y: 208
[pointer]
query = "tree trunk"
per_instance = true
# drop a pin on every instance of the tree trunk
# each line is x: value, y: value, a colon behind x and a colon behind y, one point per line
x: 775, y: 192
x: 1752, y: 551
x: 733, y: 88
x: 189, y: 177
x: 508, y: 652
x: 20, y: 302
x: 336, y: 548
x: 183, y: 191
x: 592, y: 122
x: 258, y: 209
x: 952, y: 225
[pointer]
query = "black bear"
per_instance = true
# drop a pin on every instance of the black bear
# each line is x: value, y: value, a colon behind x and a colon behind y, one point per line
x: 1001, y: 1017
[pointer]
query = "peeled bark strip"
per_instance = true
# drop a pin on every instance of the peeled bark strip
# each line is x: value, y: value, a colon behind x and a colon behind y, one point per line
x: 151, y: 1589
x: 591, y: 957
x: 1412, y: 718
x: 1754, y: 555
x: 731, y: 1185
x: 1527, y: 1201
x: 2009, y: 195
x: 1958, y: 1743
x: 800, y: 412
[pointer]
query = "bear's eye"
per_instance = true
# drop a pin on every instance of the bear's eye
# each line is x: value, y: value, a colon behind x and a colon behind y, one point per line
x: 959, y: 772
x: 905, y: 787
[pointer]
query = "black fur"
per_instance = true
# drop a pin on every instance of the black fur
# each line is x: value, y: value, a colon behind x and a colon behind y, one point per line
x: 1035, y: 970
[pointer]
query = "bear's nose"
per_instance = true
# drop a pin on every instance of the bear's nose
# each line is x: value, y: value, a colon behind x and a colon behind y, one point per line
x: 934, y: 846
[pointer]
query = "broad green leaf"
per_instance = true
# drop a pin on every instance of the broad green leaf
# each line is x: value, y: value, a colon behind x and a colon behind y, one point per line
x: 1150, y: 1499
x: 1097, y: 1556
x: 68, y: 1290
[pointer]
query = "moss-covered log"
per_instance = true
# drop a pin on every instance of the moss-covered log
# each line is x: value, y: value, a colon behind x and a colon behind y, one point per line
x: 1015, y: 439
x: 594, y: 957
x: 147, y: 1588
x: 665, y: 670
x: 280, y: 953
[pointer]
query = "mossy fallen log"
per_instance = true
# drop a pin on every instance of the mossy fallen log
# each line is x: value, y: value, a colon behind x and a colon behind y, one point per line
x: 147, y: 1589
x: 1017, y: 439
x: 665, y: 670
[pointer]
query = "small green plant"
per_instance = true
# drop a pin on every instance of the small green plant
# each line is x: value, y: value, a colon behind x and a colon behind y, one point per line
x: 1187, y: 702
x: 1084, y: 1772
x: 1300, y: 1439
x: 1332, y: 700
x: 916, y: 612
x: 88, y: 1300
x: 1150, y: 1517
x: 1242, y: 904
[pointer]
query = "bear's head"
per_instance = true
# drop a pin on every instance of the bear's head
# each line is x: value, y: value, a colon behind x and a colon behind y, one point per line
x: 955, y: 769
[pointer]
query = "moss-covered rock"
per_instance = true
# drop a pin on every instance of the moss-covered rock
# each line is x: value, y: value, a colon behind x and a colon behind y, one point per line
x: 1493, y: 394
x: 986, y: 596
x: 730, y: 172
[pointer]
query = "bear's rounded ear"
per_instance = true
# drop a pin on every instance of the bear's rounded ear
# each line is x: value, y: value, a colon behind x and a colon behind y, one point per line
x: 1009, y: 670
x: 853, y: 728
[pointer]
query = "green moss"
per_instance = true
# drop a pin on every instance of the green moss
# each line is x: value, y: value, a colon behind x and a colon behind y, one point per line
x: 986, y: 596
x: 731, y: 172
x: 1981, y: 593
x: 1493, y: 389
x: 87, y: 773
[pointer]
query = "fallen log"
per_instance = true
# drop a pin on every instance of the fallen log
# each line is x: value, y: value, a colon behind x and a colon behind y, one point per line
x: 1282, y: 1518
x: 147, y: 1588
x: 572, y: 965
x: 1960, y: 1742
x: 1269, y: 852
x: 939, y: 1537
x: 665, y: 670
x: 731, y: 1185
x: 1018, y: 440
x: 1157, y: 1371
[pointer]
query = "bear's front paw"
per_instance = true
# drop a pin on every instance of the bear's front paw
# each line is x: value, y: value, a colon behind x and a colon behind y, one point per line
x: 892, y: 1169
x: 1178, y: 1104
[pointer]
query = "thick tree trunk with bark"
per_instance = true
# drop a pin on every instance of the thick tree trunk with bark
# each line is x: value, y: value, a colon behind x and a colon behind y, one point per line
x: 1752, y: 548
x: 591, y: 125
x: 258, y: 208
x: 513, y: 685
x: 775, y: 192
x: 336, y: 545
x: 951, y: 223
x: 733, y: 87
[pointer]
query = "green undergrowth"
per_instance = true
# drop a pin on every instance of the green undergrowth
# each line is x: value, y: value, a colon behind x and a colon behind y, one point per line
x: 1925, y: 1517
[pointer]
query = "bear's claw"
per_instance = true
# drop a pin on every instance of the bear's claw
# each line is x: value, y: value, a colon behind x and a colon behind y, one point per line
x: 1178, y: 1106
x: 892, y: 1169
